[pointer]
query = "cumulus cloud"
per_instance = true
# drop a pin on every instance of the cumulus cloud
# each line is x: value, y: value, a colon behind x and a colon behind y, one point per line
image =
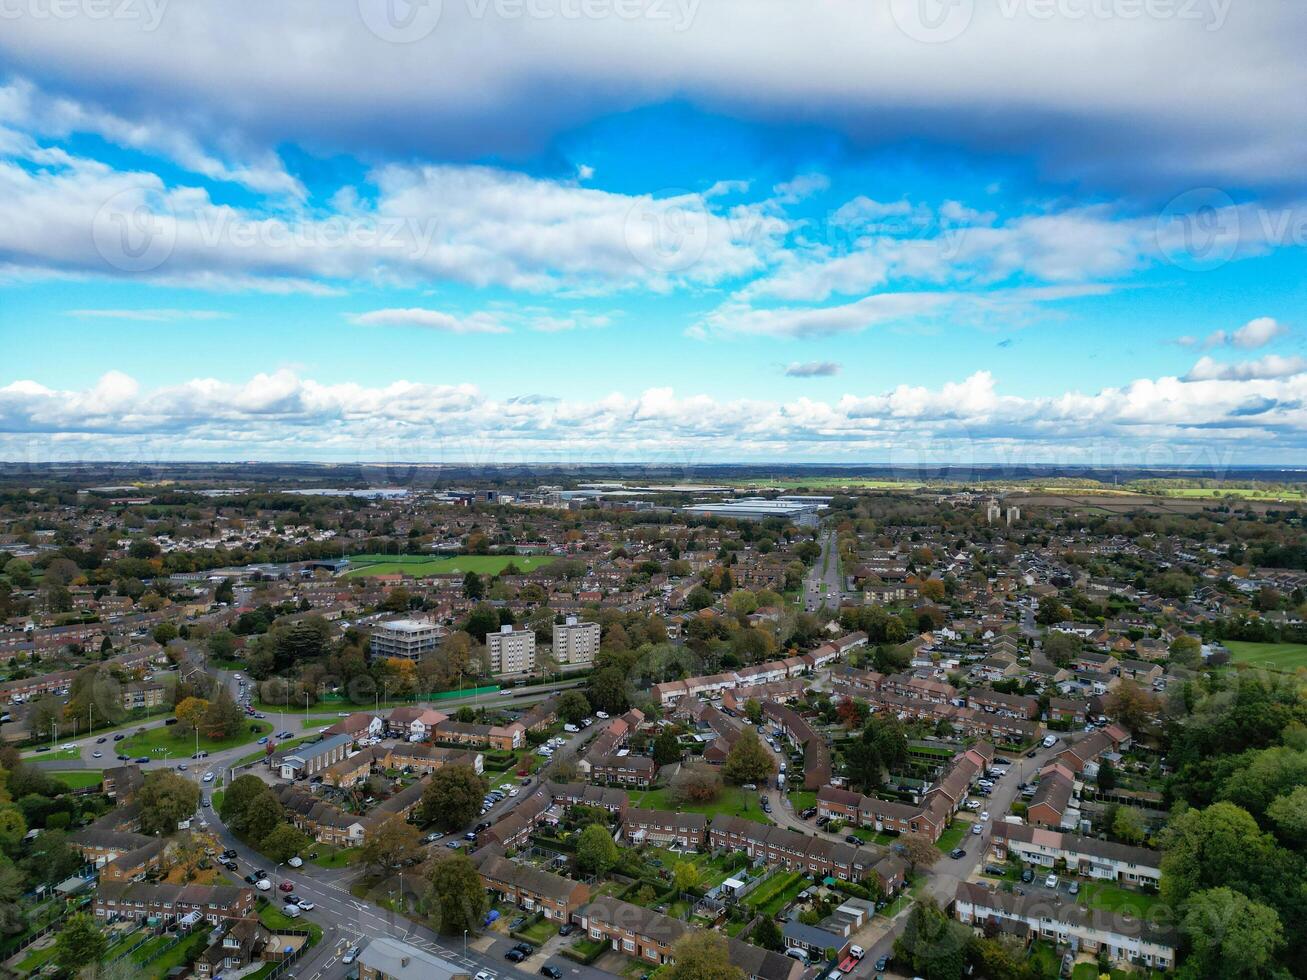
x: 1270, y: 366
x: 429, y: 320
x: 813, y: 369
x: 1252, y: 335
x: 329, y: 74
x: 284, y: 415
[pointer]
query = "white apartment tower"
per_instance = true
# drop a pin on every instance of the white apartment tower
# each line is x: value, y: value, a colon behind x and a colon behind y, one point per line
x: 576, y: 643
x: 511, y: 651
x: 407, y: 639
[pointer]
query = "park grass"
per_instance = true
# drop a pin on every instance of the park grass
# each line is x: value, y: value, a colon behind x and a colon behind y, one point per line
x: 1278, y: 656
x: 180, y: 744
x: 79, y: 778
x: 421, y: 566
x: 733, y: 802
x: 32, y: 963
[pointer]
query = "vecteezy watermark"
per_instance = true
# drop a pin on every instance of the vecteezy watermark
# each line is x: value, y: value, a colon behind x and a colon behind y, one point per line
x: 667, y: 233
x: 941, y: 21
x: 147, y: 13
x: 1203, y: 229
x: 401, y: 21
x: 134, y: 230
x: 407, y: 21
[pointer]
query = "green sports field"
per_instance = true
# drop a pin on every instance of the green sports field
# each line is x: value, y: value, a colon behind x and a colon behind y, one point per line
x: 1277, y: 656
x: 421, y: 566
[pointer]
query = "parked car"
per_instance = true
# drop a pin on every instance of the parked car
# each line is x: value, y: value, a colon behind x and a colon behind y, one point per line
x: 286, y: 886
x: 852, y: 839
x: 552, y: 972
x: 296, y: 862
x: 566, y: 929
x: 1050, y: 881
x: 957, y: 852
x: 515, y: 955
x: 263, y: 885
x: 1027, y: 875
x: 352, y: 954
x: 976, y: 829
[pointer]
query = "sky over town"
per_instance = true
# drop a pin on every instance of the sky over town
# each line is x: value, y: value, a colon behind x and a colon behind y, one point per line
x: 886, y: 231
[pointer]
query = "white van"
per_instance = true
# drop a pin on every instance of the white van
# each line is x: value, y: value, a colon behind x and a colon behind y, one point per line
x: 263, y: 885
x: 569, y: 727
x: 1050, y: 741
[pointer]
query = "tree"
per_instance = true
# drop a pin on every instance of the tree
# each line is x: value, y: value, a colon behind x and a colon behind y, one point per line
x: 917, y: 850
x: 666, y: 748
x: 1229, y: 935
x: 284, y: 842
x: 1062, y: 648
x: 473, y: 587
x: 767, y: 934
x: 748, y: 761
x: 702, y: 955
x: 685, y: 875
x: 235, y: 802
x: 1289, y: 814
x: 455, y: 899
x: 696, y: 783
x: 1128, y: 825
x: 452, y: 798
x: 607, y: 690
x: 1187, y: 651
x: 1106, y: 776
x: 79, y: 943
x: 573, y: 707
x: 262, y: 816
x: 596, y: 853
x: 932, y: 944
x: 1221, y: 846
x: 1051, y: 611
x: 166, y: 799
x: 753, y: 711
x: 1131, y: 705
x: 392, y: 844
x: 12, y: 827
x: 222, y: 718
x: 190, y: 713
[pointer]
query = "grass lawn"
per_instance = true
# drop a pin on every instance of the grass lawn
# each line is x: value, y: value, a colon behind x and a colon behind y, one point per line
x: 330, y: 856
x: 802, y: 799
x: 955, y: 836
x: 36, y: 959
x: 1113, y: 898
x: 1278, y: 656
x: 774, y: 894
x: 183, y: 953
x: 181, y: 744
x: 275, y: 919
x: 419, y: 566
x: 732, y: 802
x: 78, y: 779
x: 539, y: 932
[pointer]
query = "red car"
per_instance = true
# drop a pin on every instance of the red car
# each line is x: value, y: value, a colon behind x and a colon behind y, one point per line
x: 286, y: 886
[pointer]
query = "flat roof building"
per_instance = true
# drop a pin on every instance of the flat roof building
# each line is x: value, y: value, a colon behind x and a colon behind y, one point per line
x: 512, y: 651
x: 406, y: 639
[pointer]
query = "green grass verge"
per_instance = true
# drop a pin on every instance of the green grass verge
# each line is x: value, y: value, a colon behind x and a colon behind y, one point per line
x: 1113, y: 898
x: 54, y: 755
x: 180, y: 744
x: 419, y: 566
x: 733, y: 801
x: 956, y: 835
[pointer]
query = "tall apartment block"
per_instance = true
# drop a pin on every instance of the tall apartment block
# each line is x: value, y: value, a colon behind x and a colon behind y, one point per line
x: 406, y: 639
x: 511, y: 651
x: 576, y: 643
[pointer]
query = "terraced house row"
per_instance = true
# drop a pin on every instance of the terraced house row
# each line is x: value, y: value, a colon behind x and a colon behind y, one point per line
x: 799, y: 852
x: 775, y: 670
x: 930, y: 817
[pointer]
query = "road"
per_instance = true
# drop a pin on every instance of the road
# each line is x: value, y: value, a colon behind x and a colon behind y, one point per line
x: 824, y: 579
x: 346, y: 920
x: 942, y: 880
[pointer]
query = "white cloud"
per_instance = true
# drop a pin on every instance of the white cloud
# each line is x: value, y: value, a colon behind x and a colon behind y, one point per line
x: 283, y: 415
x: 1258, y: 333
x: 813, y: 369
x: 1270, y: 366
x: 429, y: 320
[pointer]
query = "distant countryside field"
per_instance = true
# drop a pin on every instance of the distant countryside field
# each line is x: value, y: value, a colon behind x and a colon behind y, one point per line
x: 421, y: 566
x: 1278, y: 656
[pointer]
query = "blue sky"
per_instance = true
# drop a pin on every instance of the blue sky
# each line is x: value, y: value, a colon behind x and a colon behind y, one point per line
x: 743, y: 233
